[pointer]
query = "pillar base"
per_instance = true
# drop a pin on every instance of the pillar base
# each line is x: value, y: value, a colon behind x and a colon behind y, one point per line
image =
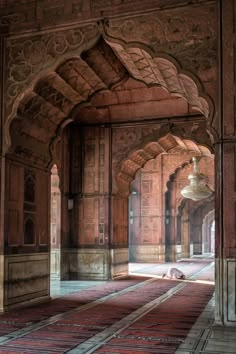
x: 147, y: 253
x: 170, y: 253
x: 28, y: 303
x: 94, y: 264
x: 225, y: 298
x: 28, y: 279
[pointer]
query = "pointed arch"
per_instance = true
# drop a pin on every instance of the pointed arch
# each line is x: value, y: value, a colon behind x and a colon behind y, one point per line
x: 57, y: 93
x: 137, y: 159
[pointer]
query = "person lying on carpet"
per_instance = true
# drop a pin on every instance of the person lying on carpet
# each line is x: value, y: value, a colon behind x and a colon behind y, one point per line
x: 174, y: 273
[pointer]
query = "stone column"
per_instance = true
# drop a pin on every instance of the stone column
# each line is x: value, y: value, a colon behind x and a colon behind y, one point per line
x: 26, y: 233
x: 119, y: 242
x: 55, y: 254
x: 185, y: 233
x: 226, y: 174
x: 205, y: 235
x: 89, y: 253
x: 2, y: 229
x: 196, y: 232
x: 24, y: 219
x: 2, y: 168
x: 170, y: 249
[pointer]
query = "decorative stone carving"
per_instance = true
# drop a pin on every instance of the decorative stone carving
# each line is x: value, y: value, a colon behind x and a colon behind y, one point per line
x: 29, y: 56
x: 191, y: 37
x: 57, y: 94
x: 43, y: 14
x: 160, y: 71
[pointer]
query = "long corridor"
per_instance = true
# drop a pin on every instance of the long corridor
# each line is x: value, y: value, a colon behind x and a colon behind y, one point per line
x: 142, y: 314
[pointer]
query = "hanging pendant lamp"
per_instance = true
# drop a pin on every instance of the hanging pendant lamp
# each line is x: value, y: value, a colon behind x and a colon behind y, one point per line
x: 198, y: 188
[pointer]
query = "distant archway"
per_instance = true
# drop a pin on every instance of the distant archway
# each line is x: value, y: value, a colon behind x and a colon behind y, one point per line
x: 208, y: 232
x: 55, y: 229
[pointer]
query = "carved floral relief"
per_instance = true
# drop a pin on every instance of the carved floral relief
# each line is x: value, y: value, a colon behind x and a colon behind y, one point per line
x: 30, y: 56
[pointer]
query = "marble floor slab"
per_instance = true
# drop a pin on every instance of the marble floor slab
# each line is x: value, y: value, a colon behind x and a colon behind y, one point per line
x: 59, y: 288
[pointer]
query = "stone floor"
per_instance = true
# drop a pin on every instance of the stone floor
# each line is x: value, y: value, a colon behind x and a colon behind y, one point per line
x: 61, y: 288
x: 143, y: 314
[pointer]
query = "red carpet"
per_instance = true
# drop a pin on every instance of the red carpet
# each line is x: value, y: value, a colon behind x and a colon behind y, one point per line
x: 170, y: 322
x: 159, y: 331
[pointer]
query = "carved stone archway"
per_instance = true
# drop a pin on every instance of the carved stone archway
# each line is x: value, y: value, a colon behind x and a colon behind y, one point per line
x: 57, y: 95
x: 164, y: 144
x: 68, y: 92
x: 180, y: 210
x: 208, y: 244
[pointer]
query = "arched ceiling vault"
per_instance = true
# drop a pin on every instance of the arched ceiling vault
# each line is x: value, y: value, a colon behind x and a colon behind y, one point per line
x: 55, y: 96
x: 136, y: 160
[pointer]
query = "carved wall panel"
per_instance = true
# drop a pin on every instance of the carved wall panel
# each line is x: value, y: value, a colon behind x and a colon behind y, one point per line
x: 145, y: 213
x: 29, y: 207
x: 14, y: 204
x: 43, y: 208
x: 34, y: 15
x: 229, y: 200
x: 119, y: 222
x: 229, y: 68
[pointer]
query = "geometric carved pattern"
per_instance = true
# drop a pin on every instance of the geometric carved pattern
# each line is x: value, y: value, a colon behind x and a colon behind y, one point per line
x: 160, y: 71
x: 137, y: 159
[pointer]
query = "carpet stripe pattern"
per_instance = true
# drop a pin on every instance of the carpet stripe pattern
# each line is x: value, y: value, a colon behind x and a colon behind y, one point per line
x: 161, y: 330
